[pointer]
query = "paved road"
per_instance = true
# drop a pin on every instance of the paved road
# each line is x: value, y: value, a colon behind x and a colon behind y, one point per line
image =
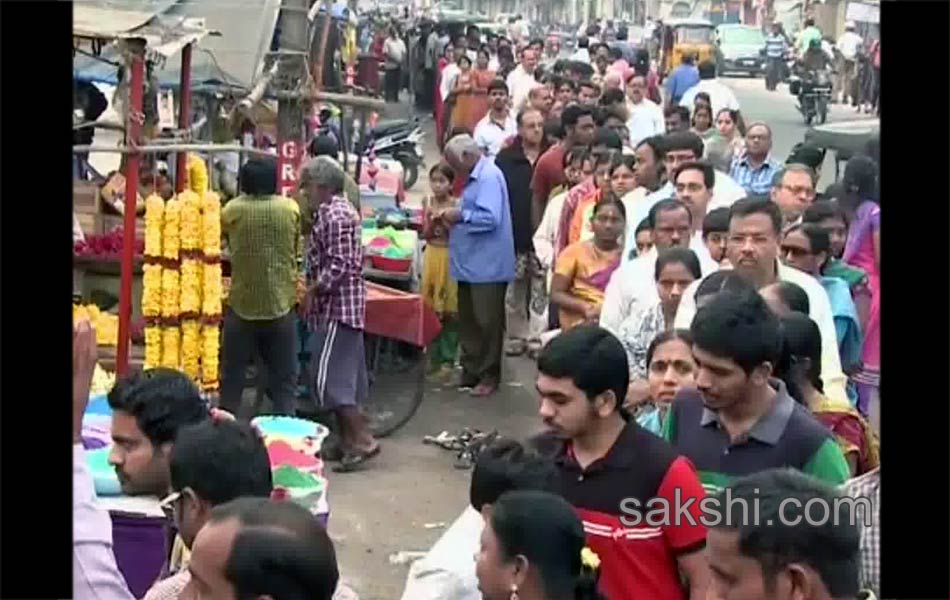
x: 382, y: 511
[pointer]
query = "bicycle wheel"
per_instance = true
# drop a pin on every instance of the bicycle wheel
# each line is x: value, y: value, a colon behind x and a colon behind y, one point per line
x: 396, y: 384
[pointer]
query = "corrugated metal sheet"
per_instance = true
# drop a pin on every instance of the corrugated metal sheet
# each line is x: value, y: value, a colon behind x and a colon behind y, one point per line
x: 233, y: 59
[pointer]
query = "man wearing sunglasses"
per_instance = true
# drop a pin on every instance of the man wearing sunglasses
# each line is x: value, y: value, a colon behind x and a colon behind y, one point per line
x: 211, y: 463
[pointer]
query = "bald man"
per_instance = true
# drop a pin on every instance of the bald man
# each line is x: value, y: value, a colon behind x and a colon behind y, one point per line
x: 481, y: 260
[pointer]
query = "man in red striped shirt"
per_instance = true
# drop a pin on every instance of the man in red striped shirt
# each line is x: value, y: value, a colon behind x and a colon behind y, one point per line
x: 615, y: 473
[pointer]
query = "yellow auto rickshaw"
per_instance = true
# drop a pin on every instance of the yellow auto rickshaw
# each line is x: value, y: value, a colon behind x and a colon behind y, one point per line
x: 682, y: 36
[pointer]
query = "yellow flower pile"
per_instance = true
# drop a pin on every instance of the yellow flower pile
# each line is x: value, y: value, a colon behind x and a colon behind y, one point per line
x: 153, y: 346
x: 106, y: 324
x: 154, y: 221
x: 182, y: 280
x: 102, y: 381
x: 171, y: 347
x: 190, y: 347
x: 190, y: 221
x: 190, y: 300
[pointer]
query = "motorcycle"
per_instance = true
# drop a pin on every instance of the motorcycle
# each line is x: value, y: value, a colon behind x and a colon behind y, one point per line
x: 401, y: 140
x: 813, y: 90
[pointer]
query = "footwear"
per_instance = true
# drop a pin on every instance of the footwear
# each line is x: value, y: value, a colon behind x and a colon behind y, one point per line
x: 355, y: 461
x: 484, y: 389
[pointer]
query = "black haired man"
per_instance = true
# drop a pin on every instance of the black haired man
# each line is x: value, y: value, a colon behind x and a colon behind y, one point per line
x: 609, y: 468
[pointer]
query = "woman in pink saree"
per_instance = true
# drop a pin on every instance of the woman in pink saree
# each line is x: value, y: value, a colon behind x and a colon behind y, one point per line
x: 863, y: 250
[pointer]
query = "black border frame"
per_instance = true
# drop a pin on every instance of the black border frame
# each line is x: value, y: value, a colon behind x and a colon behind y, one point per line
x: 36, y: 347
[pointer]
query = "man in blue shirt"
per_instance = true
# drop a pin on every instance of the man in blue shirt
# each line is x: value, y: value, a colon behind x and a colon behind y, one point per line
x: 682, y: 78
x: 754, y: 169
x: 481, y: 260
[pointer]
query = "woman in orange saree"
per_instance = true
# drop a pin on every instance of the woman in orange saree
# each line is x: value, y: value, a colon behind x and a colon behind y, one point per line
x: 471, y: 92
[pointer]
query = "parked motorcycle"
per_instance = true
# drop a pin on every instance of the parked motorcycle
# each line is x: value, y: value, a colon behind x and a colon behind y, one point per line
x: 813, y: 90
x: 400, y: 140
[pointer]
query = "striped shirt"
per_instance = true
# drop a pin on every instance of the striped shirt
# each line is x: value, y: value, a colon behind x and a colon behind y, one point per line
x: 335, y: 266
x: 755, y: 180
x: 775, y: 46
x: 263, y: 236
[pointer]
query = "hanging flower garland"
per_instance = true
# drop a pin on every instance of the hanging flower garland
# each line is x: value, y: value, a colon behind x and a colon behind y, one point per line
x: 212, y: 291
x: 182, y: 285
x: 152, y: 279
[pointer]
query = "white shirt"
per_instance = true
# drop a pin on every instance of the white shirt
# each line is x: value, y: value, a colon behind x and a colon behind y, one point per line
x: 720, y: 95
x: 581, y: 55
x: 395, y: 51
x: 634, y: 283
x: 831, y: 375
x: 447, y: 571
x: 546, y: 235
x: 848, y: 44
x: 449, y: 73
x: 519, y: 84
x: 725, y: 193
x: 646, y: 120
x: 490, y: 136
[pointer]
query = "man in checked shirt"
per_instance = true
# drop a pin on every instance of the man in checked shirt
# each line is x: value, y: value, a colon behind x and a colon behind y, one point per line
x: 335, y: 306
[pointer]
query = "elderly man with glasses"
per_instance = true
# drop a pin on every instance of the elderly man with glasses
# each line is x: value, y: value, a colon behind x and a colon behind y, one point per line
x: 793, y: 189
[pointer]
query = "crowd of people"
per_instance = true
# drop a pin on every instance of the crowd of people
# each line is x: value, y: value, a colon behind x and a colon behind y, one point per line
x: 705, y: 324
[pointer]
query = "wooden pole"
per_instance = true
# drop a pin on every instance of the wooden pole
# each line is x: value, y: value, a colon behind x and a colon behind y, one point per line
x: 135, y: 120
x: 184, y: 116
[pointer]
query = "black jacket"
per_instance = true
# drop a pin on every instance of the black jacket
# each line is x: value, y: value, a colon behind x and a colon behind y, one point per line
x: 518, y: 170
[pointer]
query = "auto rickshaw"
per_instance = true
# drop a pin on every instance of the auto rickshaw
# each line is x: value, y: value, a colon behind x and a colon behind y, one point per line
x: 682, y: 36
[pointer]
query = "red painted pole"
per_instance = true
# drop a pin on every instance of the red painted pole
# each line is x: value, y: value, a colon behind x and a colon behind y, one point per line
x: 184, y: 116
x: 136, y: 118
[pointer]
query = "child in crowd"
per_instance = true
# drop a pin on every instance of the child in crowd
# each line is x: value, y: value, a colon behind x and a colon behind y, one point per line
x: 438, y: 289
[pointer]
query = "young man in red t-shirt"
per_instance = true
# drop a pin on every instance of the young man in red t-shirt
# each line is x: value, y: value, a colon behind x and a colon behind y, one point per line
x: 609, y: 466
x: 579, y: 129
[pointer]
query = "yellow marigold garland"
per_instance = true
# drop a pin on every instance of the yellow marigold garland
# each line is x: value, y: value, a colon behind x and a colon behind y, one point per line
x: 186, y: 228
x: 171, y: 347
x: 190, y: 299
x: 170, y: 235
x: 211, y: 224
x: 151, y: 290
x: 190, y: 225
x: 154, y: 220
x: 210, y: 349
x: 211, y: 302
x: 190, y: 348
x: 170, y: 292
x: 153, y: 346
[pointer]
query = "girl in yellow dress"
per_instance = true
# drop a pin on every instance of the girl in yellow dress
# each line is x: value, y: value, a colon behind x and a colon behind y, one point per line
x: 438, y: 289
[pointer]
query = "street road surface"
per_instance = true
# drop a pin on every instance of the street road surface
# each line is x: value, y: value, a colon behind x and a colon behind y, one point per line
x: 385, y: 509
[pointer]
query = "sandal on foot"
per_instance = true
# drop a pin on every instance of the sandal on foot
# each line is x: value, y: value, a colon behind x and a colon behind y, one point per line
x: 355, y: 461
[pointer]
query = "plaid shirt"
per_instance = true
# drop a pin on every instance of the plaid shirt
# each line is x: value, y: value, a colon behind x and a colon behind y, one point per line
x: 869, y: 486
x: 335, y: 266
x: 754, y: 180
x: 264, y: 240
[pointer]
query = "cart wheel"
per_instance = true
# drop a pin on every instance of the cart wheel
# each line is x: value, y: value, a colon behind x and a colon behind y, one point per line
x: 396, y: 384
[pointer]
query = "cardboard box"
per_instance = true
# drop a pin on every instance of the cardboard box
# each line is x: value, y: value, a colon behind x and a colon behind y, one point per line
x: 85, y: 197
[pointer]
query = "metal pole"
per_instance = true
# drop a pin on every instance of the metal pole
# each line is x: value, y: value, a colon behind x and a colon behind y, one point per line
x: 292, y: 72
x: 184, y: 116
x: 135, y: 119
